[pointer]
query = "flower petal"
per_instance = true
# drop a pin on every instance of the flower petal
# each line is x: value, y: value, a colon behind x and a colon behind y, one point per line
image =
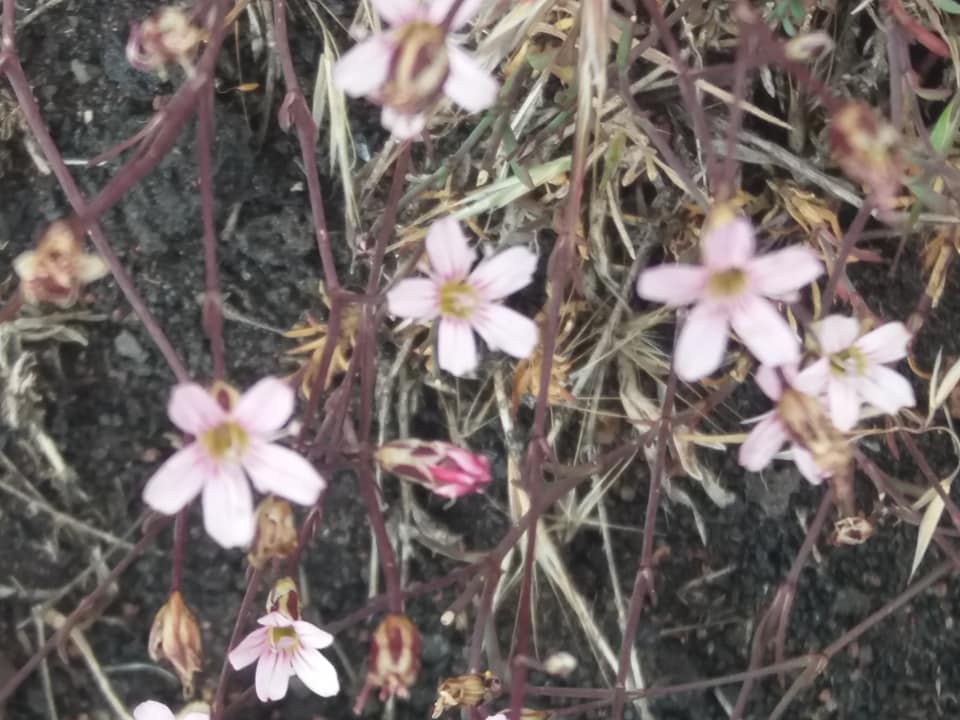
x: 885, y: 389
x: 281, y: 471
x: 193, y: 409
x: 228, y: 508
x: 887, y: 343
x: 783, y: 272
x: 250, y: 649
x: 316, y: 672
x: 152, y: 710
x: 813, y: 379
x: 273, y: 676
x: 403, y: 126
x: 397, y: 12
x: 364, y: 68
x: 702, y: 342
x: 505, y: 273
x: 764, y: 331
x: 265, y: 407
x: 451, y: 256
x: 506, y: 329
x: 672, y: 284
x: 836, y: 333
x: 728, y: 245
x: 177, y: 481
x: 312, y: 636
x: 844, y: 403
x: 439, y: 9
x: 804, y: 461
x: 468, y: 84
x: 763, y: 442
x: 456, y: 347
x: 415, y: 298
x: 769, y: 381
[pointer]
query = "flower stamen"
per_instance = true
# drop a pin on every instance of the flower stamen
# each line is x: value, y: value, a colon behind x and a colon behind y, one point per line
x: 458, y: 299
x: 727, y: 283
x: 225, y: 439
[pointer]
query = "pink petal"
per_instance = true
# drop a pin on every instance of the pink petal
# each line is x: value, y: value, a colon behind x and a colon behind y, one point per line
x: 702, y: 342
x: 468, y: 84
x: 506, y: 329
x: 450, y: 254
x: 364, y: 68
x: 781, y: 273
x: 312, y: 636
x: 505, y: 273
x: 193, y: 409
x: 228, y: 508
x: 401, y: 125
x: 281, y: 471
x: 885, y: 389
x: 728, y: 245
x: 806, y: 465
x: 275, y: 619
x: 887, y: 343
x: 152, y: 710
x: 763, y: 442
x: 177, y: 481
x: 250, y: 649
x: 456, y: 348
x: 397, y: 12
x: 814, y: 378
x: 844, y: 403
x: 316, y: 672
x: 672, y: 284
x: 272, y: 676
x: 769, y: 380
x: 836, y: 333
x: 439, y: 9
x: 764, y: 331
x: 415, y: 298
x: 265, y: 407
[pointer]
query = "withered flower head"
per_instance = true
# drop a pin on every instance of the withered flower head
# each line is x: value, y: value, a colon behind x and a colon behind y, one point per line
x: 466, y: 691
x: 175, y: 637
x: 394, y: 659
x: 276, y: 534
x: 867, y: 148
x: 57, y: 269
x: 165, y: 37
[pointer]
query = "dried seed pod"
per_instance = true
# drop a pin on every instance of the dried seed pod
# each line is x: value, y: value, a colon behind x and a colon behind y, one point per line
x: 276, y: 534
x: 867, y: 148
x: 394, y: 659
x: 57, y: 269
x: 466, y: 691
x: 175, y: 637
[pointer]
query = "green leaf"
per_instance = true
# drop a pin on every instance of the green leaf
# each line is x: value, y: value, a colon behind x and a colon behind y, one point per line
x: 944, y: 130
x: 948, y: 6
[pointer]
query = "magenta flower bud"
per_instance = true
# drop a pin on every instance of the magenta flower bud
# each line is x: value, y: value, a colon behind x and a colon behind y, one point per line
x: 444, y: 468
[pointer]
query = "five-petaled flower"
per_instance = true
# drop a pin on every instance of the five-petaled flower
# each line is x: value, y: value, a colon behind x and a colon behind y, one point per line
x: 152, y: 710
x: 286, y: 646
x: 442, y: 467
x: 466, y: 301
x: 853, y: 371
x: 410, y: 66
x: 731, y: 289
x: 233, y: 437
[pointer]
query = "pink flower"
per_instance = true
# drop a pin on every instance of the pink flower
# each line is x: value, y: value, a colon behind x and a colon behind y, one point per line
x: 408, y: 68
x: 233, y: 438
x: 284, y: 647
x: 466, y: 301
x: 442, y: 467
x: 152, y: 710
x: 770, y: 432
x: 853, y: 368
x: 731, y: 289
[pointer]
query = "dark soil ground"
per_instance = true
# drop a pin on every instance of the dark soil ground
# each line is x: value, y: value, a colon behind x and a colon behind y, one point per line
x: 103, y: 404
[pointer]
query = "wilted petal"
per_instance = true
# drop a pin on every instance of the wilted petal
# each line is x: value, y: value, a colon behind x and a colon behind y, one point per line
x: 193, y: 409
x: 888, y: 343
x: 504, y: 273
x: 265, y: 407
x: 844, y: 403
x: 813, y: 379
x: 228, y: 508
x: 449, y: 251
x: 364, y: 68
x: 506, y: 329
x: 316, y: 672
x: 152, y: 710
x: 456, y: 348
x: 728, y: 245
x: 783, y: 272
x: 885, y: 389
x: 468, y: 84
x: 764, y: 331
x: 806, y: 465
x: 396, y: 12
x: 311, y: 635
x: 702, y: 342
x: 763, y: 442
x: 672, y: 284
x: 415, y: 298
x: 281, y: 471
x: 272, y: 676
x: 439, y: 9
x: 177, y: 481
x: 401, y: 125
x: 250, y: 649
x: 836, y: 333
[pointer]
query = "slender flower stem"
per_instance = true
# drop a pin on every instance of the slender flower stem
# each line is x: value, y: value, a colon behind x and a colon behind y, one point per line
x: 850, y: 238
x: 216, y: 707
x: 179, y: 543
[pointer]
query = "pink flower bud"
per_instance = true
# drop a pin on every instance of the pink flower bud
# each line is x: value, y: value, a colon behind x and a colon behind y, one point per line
x: 444, y: 468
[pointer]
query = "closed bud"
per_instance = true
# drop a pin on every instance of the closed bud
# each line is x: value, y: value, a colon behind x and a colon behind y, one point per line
x: 867, y: 148
x: 58, y: 268
x: 276, y: 534
x: 466, y: 691
x: 165, y: 37
x: 444, y: 468
x: 394, y: 660
x: 175, y: 637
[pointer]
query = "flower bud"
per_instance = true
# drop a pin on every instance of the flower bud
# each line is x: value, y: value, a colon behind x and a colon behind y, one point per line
x: 175, y: 636
x: 58, y: 268
x: 276, y: 534
x: 165, y: 37
x: 466, y: 691
x: 394, y: 659
x: 867, y: 149
x: 284, y: 599
x: 444, y: 468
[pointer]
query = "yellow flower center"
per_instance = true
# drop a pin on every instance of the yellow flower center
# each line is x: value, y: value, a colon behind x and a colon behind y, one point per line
x: 283, y: 638
x: 419, y: 68
x: 849, y: 360
x: 458, y: 299
x: 727, y: 283
x: 225, y: 439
